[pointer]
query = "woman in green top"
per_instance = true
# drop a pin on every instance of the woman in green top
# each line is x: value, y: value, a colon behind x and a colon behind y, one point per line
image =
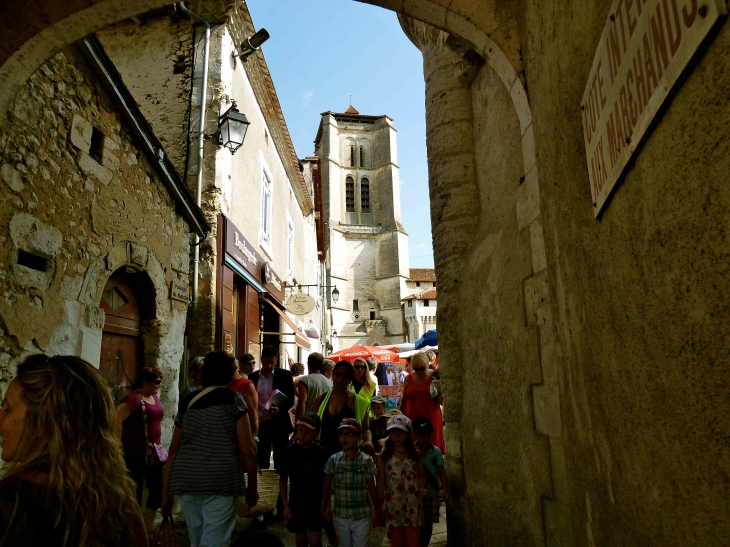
x: 340, y: 403
x: 362, y: 384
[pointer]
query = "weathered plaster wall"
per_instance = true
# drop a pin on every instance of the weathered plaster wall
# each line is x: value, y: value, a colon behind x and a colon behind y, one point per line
x: 88, y: 218
x: 641, y: 297
x: 161, y: 85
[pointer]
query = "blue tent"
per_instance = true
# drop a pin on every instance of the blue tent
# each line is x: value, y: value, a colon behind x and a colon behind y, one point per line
x: 428, y: 339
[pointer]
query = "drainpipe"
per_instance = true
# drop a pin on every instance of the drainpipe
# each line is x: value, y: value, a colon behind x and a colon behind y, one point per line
x: 201, y: 143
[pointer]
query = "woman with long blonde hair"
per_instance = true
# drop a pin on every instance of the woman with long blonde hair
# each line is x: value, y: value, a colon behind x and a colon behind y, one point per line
x: 363, y: 384
x: 66, y: 483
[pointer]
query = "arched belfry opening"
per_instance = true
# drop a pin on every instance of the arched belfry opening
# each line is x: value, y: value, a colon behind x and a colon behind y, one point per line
x: 128, y: 304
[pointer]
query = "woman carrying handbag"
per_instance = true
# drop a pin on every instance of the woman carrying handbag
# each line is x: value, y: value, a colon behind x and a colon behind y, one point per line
x: 140, y: 415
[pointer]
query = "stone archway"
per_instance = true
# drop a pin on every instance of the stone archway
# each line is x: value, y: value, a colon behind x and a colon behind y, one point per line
x: 35, y: 31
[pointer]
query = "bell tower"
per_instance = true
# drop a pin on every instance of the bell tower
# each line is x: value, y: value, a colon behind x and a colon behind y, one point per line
x: 368, y: 246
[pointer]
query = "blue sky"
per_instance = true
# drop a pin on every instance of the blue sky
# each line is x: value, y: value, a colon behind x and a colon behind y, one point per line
x: 319, y: 50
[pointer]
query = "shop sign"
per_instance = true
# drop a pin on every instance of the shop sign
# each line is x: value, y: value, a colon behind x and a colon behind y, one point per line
x: 241, y: 250
x: 644, y: 49
x: 300, y: 303
x: 179, y: 291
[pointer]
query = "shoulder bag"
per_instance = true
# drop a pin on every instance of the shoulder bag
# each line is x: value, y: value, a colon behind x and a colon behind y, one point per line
x: 155, y: 453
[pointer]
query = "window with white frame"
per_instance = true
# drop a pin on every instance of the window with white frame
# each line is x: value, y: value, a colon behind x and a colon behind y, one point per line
x: 266, y: 188
x: 290, y: 251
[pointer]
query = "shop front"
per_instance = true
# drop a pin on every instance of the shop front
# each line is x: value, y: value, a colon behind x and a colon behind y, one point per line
x: 250, y: 302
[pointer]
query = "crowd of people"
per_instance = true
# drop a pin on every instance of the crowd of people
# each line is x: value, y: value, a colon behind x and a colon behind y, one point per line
x: 328, y: 431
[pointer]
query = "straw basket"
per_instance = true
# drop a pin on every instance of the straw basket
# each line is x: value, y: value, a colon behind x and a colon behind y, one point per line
x: 268, y: 486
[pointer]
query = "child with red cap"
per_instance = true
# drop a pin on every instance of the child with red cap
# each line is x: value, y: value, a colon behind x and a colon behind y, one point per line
x: 302, y: 465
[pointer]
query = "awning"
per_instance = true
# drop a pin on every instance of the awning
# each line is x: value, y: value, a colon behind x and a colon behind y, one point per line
x: 299, y: 337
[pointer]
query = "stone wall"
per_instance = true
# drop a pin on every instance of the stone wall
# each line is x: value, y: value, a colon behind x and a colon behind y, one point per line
x: 639, y: 297
x: 161, y: 85
x: 84, y: 206
x: 593, y: 398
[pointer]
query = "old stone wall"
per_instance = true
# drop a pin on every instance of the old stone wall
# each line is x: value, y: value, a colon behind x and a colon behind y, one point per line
x: 640, y: 297
x: 80, y: 201
x: 161, y: 85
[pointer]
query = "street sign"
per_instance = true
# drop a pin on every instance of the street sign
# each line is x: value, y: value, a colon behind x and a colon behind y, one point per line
x: 643, y: 51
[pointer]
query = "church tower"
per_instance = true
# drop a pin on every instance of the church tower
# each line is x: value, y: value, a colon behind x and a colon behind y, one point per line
x: 368, y: 246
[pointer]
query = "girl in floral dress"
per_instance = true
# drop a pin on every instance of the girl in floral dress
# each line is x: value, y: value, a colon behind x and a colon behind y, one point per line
x: 401, y: 484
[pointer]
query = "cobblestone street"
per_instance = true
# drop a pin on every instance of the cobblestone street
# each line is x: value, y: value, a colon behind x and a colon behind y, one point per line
x: 278, y: 528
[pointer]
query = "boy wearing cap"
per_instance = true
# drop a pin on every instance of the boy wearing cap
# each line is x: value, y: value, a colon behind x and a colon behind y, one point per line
x: 378, y: 423
x: 302, y: 465
x: 433, y: 466
x: 351, y: 473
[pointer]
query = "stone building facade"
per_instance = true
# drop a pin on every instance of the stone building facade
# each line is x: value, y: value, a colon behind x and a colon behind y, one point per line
x: 367, y: 244
x: 419, y: 306
x: 94, y: 238
x: 257, y: 200
x: 582, y: 358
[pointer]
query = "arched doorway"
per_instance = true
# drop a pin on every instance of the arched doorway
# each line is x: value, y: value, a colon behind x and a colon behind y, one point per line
x: 126, y: 305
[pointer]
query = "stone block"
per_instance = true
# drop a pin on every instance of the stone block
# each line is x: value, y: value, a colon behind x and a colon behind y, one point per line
x: 116, y: 258
x: 558, y: 531
x: 80, y: 135
x: 95, y: 317
x: 91, y: 345
x: 536, y: 300
x: 180, y: 262
x: 137, y: 255
x: 559, y: 470
x: 30, y: 234
x: 521, y: 104
x: 92, y: 168
x: 528, y: 200
x: 546, y: 409
x: 528, y: 148
x: 71, y: 286
x: 12, y: 178
x: 537, y: 247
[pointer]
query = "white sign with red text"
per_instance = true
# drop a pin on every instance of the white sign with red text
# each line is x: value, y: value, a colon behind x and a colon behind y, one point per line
x: 643, y: 51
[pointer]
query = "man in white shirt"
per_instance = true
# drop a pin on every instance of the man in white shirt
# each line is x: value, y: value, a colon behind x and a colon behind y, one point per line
x: 390, y: 375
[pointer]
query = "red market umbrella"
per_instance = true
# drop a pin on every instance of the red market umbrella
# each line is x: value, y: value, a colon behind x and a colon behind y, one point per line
x: 350, y: 354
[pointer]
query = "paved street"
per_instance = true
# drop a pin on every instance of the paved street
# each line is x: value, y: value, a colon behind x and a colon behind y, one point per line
x: 278, y: 528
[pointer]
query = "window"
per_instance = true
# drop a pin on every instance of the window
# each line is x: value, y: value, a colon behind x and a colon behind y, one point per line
x: 290, y: 251
x: 426, y: 303
x: 418, y: 283
x: 266, y: 209
x: 96, y: 151
x: 372, y: 315
x: 362, y: 157
x: 410, y: 303
x: 355, y: 306
x: 352, y: 156
x: 349, y: 195
x: 365, y: 195
x: 434, y: 284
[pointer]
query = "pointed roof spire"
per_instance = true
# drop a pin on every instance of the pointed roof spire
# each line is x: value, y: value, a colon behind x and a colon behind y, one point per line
x: 351, y: 110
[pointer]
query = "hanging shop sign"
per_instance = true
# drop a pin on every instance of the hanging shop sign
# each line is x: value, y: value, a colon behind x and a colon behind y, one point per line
x: 300, y: 303
x: 245, y: 255
x: 644, y: 49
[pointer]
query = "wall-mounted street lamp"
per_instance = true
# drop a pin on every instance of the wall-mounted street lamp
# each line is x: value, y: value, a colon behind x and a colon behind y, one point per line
x: 232, y: 126
x: 334, y: 333
x: 335, y: 296
x: 253, y: 43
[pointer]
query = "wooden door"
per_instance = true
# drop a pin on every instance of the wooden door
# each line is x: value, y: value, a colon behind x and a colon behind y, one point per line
x: 121, y: 342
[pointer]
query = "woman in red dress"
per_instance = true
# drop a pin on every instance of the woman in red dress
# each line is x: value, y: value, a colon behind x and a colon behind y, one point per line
x: 416, y: 400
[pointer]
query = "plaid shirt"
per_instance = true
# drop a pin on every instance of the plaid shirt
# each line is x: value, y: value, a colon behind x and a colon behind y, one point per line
x: 349, y: 484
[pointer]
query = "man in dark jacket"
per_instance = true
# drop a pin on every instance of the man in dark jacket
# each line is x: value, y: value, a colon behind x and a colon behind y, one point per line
x: 274, y: 424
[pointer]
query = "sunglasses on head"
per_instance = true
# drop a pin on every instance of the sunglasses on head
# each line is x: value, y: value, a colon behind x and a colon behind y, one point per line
x: 359, y: 367
x: 420, y: 369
